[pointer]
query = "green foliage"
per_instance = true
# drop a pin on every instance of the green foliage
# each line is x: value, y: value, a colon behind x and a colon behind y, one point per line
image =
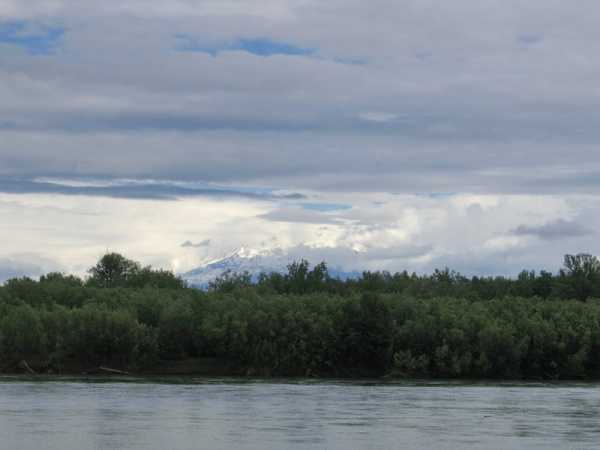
x: 176, y: 330
x: 579, y: 279
x: 99, y: 335
x: 230, y: 282
x: 581, y: 276
x: 21, y: 333
x: 367, y: 334
x: 114, y: 270
x: 306, y: 323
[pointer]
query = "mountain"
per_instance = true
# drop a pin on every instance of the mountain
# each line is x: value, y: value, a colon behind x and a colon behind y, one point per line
x: 251, y: 261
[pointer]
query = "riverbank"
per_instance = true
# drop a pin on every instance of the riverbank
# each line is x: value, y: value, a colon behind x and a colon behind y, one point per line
x: 188, y: 366
x: 200, y: 367
x: 207, y: 368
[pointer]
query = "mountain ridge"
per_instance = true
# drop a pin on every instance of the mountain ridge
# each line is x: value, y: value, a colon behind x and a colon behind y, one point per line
x: 253, y: 262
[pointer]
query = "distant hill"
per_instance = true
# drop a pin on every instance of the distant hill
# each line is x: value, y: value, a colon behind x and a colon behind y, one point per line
x: 253, y: 262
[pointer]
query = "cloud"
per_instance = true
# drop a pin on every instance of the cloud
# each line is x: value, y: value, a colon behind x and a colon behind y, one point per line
x: 347, y: 259
x: 325, y: 207
x: 136, y: 189
x: 434, y: 106
x: 373, y: 116
x: 401, y: 232
x: 294, y: 214
x: 16, y: 269
x: 303, y: 102
x: 527, y: 39
x: 557, y: 229
x: 190, y: 244
x: 26, y: 264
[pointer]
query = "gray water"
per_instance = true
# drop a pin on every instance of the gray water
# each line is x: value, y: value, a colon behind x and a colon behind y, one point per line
x: 231, y: 415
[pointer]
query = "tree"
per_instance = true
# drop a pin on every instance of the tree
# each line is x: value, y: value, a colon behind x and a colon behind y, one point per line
x: 582, y: 264
x: 318, y: 277
x: 582, y: 274
x: 113, y: 270
x: 61, y: 278
x: 156, y: 278
x: 368, y: 337
x: 229, y: 281
x: 297, y: 276
x: 302, y: 280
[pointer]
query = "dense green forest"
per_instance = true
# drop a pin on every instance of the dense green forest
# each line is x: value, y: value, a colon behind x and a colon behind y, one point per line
x: 305, y: 323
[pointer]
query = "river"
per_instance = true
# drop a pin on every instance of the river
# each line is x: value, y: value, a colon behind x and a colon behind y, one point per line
x: 229, y: 414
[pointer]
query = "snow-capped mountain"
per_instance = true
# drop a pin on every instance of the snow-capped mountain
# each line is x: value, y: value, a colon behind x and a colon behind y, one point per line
x: 254, y: 262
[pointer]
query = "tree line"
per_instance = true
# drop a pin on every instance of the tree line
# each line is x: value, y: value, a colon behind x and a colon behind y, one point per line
x: 303, y: 322
x: 578, y: 279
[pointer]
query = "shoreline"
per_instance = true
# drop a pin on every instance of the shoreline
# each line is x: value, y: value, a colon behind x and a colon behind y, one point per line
x: 207, y: 367
x: 198, y: 378
x: 249, y: 376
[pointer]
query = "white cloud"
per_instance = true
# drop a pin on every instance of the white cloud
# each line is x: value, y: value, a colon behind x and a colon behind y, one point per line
x: 471, y: 233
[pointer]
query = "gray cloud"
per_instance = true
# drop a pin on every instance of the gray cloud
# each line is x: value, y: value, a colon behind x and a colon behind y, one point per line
x: 299, y: 215
x: 558, y: 229
x: 190, y: 244
x: 308, y: 161
x: 10, y: 268
x: 492, y: 97
x: 135, y: 189
x: 394, y: 258
x: 529, y: 39
x: 456, y: 111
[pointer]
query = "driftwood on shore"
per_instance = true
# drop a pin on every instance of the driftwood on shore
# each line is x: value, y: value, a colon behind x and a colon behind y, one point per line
x: 104, y: 370
x: 115, y: 371
x: 24, y: 366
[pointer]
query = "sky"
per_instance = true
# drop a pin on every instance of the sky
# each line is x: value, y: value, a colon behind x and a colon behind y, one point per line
x: 380, y: 135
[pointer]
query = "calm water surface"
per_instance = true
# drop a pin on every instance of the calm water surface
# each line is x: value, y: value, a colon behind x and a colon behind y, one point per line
x: 63, y: 414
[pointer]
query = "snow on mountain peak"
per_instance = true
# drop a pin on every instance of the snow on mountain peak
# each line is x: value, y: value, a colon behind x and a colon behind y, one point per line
x: 244, y: 259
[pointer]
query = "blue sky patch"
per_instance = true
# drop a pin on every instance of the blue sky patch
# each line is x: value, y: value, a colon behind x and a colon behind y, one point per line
x: 255, y: 46
x: 36, y: 39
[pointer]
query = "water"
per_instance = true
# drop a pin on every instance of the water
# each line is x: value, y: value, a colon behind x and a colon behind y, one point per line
x: 231, y: 415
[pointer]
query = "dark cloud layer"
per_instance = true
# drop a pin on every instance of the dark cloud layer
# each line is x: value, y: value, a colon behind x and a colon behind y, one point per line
x: 190, y: 244
x: 558, y: 229
x: 151, y: 190
x: 14, y: 269
x: 496, y: 97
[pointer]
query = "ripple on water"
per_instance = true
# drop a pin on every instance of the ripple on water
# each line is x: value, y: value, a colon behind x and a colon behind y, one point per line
x: 229, y: 414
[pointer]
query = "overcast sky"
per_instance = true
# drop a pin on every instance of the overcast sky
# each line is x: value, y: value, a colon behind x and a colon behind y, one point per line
x: 382, y: 134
